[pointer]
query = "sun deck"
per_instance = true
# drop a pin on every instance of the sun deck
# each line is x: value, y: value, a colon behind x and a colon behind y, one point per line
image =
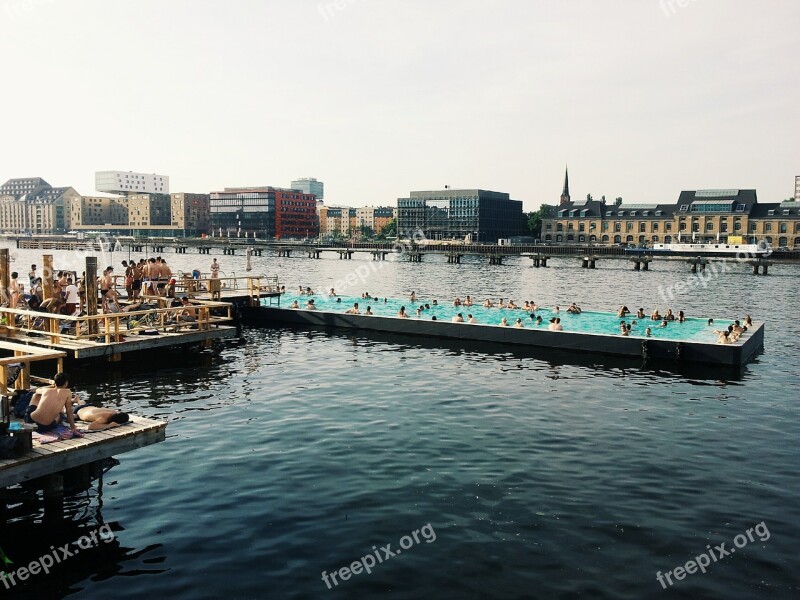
x: 48, y: 459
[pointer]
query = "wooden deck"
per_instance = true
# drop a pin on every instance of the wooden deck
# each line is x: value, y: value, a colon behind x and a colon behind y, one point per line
x: 84, y: 348
x: 47, y: 459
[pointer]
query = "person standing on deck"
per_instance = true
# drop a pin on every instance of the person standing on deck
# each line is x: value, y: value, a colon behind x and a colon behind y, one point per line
x: 73, y: 298
x: 165, y: 274
x: 32, y: 275
x: 214, y: 284
x: 128, y: 279
x: 138, y: 270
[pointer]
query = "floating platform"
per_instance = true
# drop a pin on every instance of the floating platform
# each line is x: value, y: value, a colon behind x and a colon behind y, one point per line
x: 48, y: 459
x: 735, y: 354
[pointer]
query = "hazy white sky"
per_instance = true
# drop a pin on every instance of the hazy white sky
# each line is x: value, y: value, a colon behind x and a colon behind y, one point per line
x: 642, y: 98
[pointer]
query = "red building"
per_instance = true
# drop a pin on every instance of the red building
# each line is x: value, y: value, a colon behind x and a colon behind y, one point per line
x: 295, y: 214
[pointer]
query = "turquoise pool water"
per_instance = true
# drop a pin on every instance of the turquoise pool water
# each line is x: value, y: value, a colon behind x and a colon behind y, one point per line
x: 692, y: 330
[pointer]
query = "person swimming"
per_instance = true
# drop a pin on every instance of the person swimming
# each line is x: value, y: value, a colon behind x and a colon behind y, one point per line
x: 295, y: 304
x: 353, y: 311
x: 518, y: 324
x: 472, y: 320
x: 369, y: 312
x: 402, y: 314
x: 459, y: 318
x: 639, y: 313
x: 681, y: 317
x: 503, y: 322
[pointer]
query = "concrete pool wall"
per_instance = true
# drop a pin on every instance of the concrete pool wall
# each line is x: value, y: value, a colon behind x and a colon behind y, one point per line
x: 616, y: 345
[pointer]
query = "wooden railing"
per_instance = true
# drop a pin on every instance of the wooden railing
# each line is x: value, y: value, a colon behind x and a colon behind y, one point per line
x: 111, y: 327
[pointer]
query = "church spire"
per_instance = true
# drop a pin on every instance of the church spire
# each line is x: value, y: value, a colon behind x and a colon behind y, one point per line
x: 565, y: 193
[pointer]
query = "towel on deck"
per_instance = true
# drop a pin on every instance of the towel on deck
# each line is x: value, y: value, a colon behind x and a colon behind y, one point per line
x: 61, y: 432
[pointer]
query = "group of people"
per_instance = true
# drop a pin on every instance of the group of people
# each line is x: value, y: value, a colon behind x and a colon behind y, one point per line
x: 50, y: 406
x: 733, y: 332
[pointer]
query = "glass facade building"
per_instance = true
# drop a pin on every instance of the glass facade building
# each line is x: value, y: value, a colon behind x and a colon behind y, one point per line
x: 265, y: 212
x: 481, y: 215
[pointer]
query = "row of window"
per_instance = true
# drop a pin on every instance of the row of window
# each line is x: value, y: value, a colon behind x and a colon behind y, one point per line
x: 782, y: 241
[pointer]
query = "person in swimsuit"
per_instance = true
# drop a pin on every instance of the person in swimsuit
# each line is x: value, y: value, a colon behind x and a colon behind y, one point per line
x: 47, y: 405
x: 99, y: 418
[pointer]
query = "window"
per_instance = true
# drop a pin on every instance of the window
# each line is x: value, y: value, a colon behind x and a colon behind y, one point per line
x: 782, y: 242
x: 642, y: 227
x: 740, y: 207
x: 582, y: 239
x: 560, y: 227
x: 737, y: 226
x: 617, y: 239
x: 667, y: 226
x: 571, y: 226
x: 767, y: 226
x: 659, y: 213
x: 617, y: 226
x: 604, y: 226
x: 783, y: 229
x: 559, y: 238
x: 628, y: 226
x: 752, y: 226
x: 667, y: 239
x: 695, y: 226
x: 593, y: 238
x: 655, y: 239
x: 582, y: 227
x: 605, y: 239
x: 786, y: 212
x: 684, y: 208
x: 622, y: 213
x: 709, y: 226
x: 610, y: 213
x: 771, y: 212
x: 583, y: 212
x: 655, y: 227
x: 629, y: 239
x: 642, y: 239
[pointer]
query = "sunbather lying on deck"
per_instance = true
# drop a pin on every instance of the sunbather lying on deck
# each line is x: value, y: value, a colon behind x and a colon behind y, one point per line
x: 100, y: 418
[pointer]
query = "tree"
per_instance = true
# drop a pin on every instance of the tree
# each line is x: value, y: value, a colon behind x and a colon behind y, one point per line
x: 366, y: 232
x: 535, y: 219
x: 618, y: 201
x: 588, y: 196
x: 388, y: 230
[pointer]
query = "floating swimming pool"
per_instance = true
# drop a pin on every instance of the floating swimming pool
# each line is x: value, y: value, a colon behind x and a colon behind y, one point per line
x: 691, y: 330
x: 693, y: 340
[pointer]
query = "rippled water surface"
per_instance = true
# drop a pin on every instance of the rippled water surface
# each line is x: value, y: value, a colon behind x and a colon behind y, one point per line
x: 293, y: 452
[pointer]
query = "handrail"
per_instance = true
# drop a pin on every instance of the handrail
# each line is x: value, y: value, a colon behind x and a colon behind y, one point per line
x: 114, y: 325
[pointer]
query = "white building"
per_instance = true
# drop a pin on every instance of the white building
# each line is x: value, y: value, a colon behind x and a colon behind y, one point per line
x: 128, y: 182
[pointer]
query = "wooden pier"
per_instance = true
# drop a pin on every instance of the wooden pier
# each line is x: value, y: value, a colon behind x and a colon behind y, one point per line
x: 51, y: 459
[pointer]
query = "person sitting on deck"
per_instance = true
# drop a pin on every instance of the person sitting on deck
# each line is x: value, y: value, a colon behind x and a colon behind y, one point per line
x: 189, y: 312
x: 402, y: 314
x: 169, y: 289
x: 737, y: 327
x: 723, y: 337
x: 748, y: 321
x: 519, y: 324
x: 353, y: 311
x: 47, y: 404
x: 135, y: 305
x: 99, y: 418
x: 311, y: 305
x: 459, y: 318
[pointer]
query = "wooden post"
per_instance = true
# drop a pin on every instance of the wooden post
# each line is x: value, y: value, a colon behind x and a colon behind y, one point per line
x: 47, y: 276
x: 5, y: 281
x: 91, y: 292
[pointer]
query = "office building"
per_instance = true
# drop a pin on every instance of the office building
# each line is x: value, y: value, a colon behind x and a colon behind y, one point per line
x: 264, y: 212
x: 475, y: 215
x: 309, y: 185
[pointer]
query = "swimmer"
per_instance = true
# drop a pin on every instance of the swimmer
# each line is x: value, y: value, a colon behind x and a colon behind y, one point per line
x: 574, y: 309
x: 539, y: 320
x: 427, y: 307
x: 648, y: 332
x: 459, y: 318
x: 435, y: 302
x: 552, y: 326
x: 681, y: 317
x: 534, y: 306
x: 655, y: 316
x: 295, y: 304
x: 669, y: 316
x: 623, y: 330
x: 402, y: 314
x: 468, y: 301
x: 413, y: 296
x: 640, y: 313
x: 332, y: 292
x: 503, y: 322
x: 511, y: 304
x: 519, y: 324
x: 369, y: 312
x: 623, y: 310
x: 419, y: 311
x: 311, y: 305
x: 353, y: 311
x: 557, y: 309
x: 710, y: 322
x: 338, y: 301
x: 559, y: 326
x: 457, y: 302
x: 488, y: 304
x: 309, y: 291
x: 664, y: 323
x: 472, y: 320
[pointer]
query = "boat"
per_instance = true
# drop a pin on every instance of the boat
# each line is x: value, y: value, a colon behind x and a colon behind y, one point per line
x: 732, y: 246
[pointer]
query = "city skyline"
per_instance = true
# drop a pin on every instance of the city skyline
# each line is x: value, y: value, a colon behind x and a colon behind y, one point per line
x: 641, y: 100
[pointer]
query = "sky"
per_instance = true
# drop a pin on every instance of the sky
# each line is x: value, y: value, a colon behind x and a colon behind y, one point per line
x: 641, y: 98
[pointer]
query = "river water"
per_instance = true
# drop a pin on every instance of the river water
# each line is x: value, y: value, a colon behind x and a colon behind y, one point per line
x: 290, y: 453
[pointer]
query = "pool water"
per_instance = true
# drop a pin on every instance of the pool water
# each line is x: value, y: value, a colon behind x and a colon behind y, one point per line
x: 691, y: 330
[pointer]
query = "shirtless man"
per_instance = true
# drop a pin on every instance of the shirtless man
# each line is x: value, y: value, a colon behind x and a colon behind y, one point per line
x: 48, y: 403
x: 165, y: 274
x: 100, y: 418
x: 188, y: 314
x: 459, y: 318
x: 352, y: 311
x: 138, y: 273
